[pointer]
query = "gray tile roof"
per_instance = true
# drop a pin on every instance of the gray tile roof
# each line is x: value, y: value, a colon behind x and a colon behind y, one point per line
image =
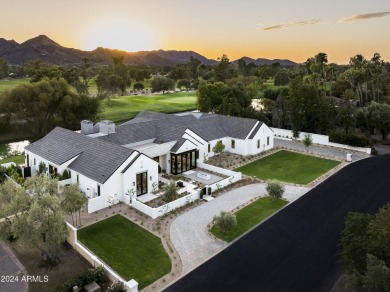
x: 255, y: 131
x: 97, y: 159
x: 169, y: 127
x: 131, y: 163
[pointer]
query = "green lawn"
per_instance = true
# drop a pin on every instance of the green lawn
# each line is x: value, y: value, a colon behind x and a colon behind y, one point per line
x: 289, y: 167
x: 250, y: 216
x: 131, y: 251
x: 126, y: 107
x: 11, y: 84
x: 18, y: 159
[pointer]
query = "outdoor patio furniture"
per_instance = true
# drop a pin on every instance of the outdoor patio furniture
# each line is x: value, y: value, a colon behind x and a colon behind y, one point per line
x: 203, y: 175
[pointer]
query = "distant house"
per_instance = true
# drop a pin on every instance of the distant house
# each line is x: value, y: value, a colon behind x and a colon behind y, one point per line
x: 111, y: 161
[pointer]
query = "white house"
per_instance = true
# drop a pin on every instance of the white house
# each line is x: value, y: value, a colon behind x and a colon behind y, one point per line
x: 115, y: 163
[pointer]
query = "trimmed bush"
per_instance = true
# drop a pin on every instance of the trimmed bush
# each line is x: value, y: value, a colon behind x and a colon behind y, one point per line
x: 65, y: 174
x: 275, y: 189
x: 219, y: 147
x: 225, y: 221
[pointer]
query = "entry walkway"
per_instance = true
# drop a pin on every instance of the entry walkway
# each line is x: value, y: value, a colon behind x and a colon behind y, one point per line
x: 189, y: 231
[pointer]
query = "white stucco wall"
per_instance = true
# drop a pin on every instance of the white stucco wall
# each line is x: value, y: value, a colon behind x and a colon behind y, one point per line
x: 200, y: 143
x: 262, y: 134
x: 38, y: 160
x: 187, y: 146
x: 142, y: 164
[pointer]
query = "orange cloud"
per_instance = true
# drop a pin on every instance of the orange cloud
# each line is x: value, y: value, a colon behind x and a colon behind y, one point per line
x: 366, y: 16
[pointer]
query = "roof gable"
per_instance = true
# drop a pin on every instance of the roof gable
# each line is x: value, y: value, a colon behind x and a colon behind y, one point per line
x: 96, y: 159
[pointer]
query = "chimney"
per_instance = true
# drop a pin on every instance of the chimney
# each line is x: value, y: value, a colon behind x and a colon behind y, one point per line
x: 107, y: 127
x: 86, y: 127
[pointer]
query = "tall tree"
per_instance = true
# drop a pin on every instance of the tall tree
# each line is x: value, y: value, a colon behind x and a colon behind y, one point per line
x: 347, y: 111
x: 48, y: 103
x: 379, y: 116
x: 4, y: 69
x: 38, y: 70
x: 160, y: 83
x: 224, y: 70
x: 365, y: 254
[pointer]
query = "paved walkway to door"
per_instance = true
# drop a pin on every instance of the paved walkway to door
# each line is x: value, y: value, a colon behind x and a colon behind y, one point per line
x: 189, y: 231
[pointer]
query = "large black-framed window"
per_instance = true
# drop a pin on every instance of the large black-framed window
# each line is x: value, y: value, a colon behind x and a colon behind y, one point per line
x: 183, y: 162
x: 142, y: 183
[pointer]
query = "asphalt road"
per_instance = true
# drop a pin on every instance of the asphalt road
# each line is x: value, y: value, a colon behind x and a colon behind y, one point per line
x: 296, y: 250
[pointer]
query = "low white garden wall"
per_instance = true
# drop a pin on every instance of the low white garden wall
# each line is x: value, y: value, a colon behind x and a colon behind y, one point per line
x: 284, y: 134
x: 65, y: 182
x: 233, y: 176
x: 164, y: 209
x: 225, y: 182
x: 131, y: 286
x: 13, y: 181
x: 97, y: 203
x: 359, y: 149
x: 216, y: 169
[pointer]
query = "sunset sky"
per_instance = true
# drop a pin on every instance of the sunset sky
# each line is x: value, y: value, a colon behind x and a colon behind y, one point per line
x: 281, y: 29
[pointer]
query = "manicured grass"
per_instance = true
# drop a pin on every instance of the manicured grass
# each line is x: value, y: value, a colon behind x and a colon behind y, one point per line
x: 131, y: 251
x: 12, y: 83
x: 289, y: 167
x: 126, y: 107
x: 18, y: 159
x: 250, y: 216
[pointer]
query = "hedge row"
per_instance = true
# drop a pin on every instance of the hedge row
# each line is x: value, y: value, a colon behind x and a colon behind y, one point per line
x: 349, y: 139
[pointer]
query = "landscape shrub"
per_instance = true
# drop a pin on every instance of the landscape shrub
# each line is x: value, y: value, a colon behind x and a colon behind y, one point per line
x: 15, y: 172
x: 170, y: 192
x: 65, y: 174
x: 349, y: 139
x: 97, y: 275
x: 219, y: 147
x: 117, y: 287
x: 41, y: 168
x: 275, y: 189
x: 3, y: 171
x: 225, y: 221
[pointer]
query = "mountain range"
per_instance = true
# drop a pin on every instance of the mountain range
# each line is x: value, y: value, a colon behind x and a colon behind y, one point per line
x: 45, y: 49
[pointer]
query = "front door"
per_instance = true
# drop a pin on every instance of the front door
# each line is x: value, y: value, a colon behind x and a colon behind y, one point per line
x: 142, y: 183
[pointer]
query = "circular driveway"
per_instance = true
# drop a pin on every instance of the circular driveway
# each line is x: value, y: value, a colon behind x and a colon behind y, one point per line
x: 189, y: 231
x: 296, y: 249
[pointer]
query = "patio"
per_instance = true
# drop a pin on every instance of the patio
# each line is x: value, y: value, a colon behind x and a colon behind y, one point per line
x: 196, y: 175
x: 187, y: 187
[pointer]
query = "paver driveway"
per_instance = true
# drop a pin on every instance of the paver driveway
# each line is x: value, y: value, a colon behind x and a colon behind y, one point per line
x: 296, y: 250
x: 188, y: 231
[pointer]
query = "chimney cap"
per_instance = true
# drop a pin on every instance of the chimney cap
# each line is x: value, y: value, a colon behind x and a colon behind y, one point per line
x: 86, y: 122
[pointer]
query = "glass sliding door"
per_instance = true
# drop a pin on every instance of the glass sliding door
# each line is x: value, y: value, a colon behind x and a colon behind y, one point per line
x: 142, y: 183
x: 183, y: 162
